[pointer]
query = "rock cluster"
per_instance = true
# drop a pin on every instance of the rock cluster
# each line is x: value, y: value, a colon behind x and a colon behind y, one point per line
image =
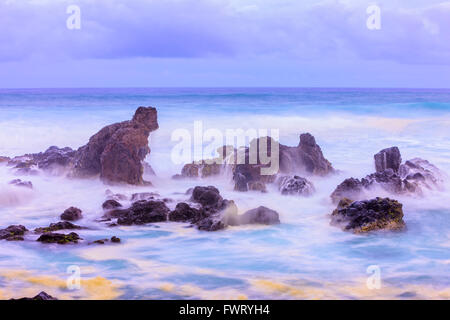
x: 13, y: 233
x: 368, y: 215
x: 412, y: 177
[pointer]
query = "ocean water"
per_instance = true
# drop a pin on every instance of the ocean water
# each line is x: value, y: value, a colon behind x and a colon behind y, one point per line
x: 302, y: 258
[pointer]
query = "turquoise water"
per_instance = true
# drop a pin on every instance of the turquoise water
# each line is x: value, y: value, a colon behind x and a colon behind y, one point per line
x: 303, y: 257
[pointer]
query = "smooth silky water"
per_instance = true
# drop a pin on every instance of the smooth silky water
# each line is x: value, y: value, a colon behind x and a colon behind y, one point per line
x: 302, y: 258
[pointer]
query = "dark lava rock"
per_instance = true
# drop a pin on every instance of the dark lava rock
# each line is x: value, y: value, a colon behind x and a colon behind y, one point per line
x: 71, y: 214
x: 295, y: 186
x: 63, y: 225
x: 142, y: 212
x: 116, y: 152
x: 114, y: 239
x: 217, y: 213
x: 368, y: 215
x: 111, y: 204
x: 20, y: 183
x: 389, y: 158
x: 412, y: 177
x: 41, y: 296
x: 54, y: 157
x: 13, y: 233
x: 184, y: 213
x: 260, y: 215
x: 59, y: 238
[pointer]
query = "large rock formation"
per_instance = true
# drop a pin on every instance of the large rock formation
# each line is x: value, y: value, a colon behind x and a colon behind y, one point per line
x: 260, y: 215
x: 306, y: 159
x: 116, y: 152
x: 368, y: 215
x: 412, y: 177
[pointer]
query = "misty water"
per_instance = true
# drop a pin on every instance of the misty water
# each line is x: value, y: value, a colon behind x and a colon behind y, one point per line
x: 303, y: 257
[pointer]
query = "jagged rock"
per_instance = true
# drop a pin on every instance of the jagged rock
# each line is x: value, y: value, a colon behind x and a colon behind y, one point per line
x: 148, y: 169
x: 71, y: 214
x: 389, y: 158
x: 217, y: 213
x: 412, y: 177
x: 54, y: 157
x: 295, y: 186
x: 59, y: 238
x: 23, y: 165
x: 184, y: 213
x: 62, y: 225
x: 13, y: 233
x: 111, y: 204
x: 142, y: 212
x: 41, y: 296
x: 116, y: 152
x: 20, y: 183
x: 368, y: 215
x: 260, y: 215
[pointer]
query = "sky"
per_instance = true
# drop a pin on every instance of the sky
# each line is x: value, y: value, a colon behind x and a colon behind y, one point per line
x: 224, y: 43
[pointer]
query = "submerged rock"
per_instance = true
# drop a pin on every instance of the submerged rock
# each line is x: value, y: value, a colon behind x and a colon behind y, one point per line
x: 260, y: 215
x: 412, y: 177
x: 216, y: 213
x: 368, y: 215
x: 13, y: 233
x: 71, y: 214
x: 295, y: 185
x: 20, y: 183
x: 63, y: 225
x: 142, y: 212
x: 144, y: 196
x: 103, y: 241
x: 41, y: 296
x: 111, y: 204
x: 59, y: 238
x: 116, y: 152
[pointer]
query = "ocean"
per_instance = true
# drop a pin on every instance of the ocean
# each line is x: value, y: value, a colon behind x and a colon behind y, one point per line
x: 301, y: 258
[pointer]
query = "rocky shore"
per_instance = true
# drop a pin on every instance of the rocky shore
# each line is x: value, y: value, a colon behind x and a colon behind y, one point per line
x: 116, y: 155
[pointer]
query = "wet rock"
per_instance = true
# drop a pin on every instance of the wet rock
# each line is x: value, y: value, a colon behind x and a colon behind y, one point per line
x: 148, y: 170
x: 142, y: 212
x: 217, y: 213
x: 260, y: 215
x: 144, y: 196
x: 389, y: 158
x: 71, y: 214
x: 62, y: 225
x: 41, y: 296
x: 54, y: 158
x: 23, y: 165
x: 111, y: 204
x: 185, y: 213
x: 114, y: 239
x: 20, y: 183
x: 59, y: 238
x: 116, y: 152
x: 369, y: 215
x: 295, y: 185
x: 13, y: 233
x: 411, y: 178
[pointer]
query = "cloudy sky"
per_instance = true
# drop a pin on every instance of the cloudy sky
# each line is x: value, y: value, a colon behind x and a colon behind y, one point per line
x: 189, y: 43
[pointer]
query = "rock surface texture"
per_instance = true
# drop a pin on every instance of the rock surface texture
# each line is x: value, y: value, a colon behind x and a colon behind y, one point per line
x: 368, y: 215
x: 410, y: 178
